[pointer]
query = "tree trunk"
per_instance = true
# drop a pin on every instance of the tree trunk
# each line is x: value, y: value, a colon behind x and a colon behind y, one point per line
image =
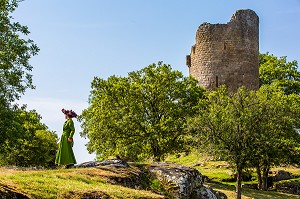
x: 258, y: 172
x: 265, y: 178
x: 155, y: 151
x: 239, y: 184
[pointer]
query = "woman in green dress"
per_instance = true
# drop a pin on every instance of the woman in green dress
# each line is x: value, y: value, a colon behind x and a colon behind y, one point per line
x: 65, y: 155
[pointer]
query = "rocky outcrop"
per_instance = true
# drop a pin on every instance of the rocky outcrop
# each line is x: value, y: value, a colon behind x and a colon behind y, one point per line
x: 177, y: 181
x: 288, y: 187
x: 123, y: 174
x: 208, y: 192
x: 282, y: 175
x: 116, y: 163
x: 183, y: 182
x: 9, y: 193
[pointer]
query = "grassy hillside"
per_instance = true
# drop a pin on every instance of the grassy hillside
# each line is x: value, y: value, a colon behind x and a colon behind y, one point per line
x: 71, y: 183
x: 107, y: 182
x: 219, y: 172
x: 229, y: 190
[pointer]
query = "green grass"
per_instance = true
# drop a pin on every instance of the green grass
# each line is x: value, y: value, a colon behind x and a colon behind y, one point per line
x: 187, y: 160
x: 69, y: 183
x: 77, y: 183
x: 215, y: 170
x: 219, y: 172
x: 251, y: 193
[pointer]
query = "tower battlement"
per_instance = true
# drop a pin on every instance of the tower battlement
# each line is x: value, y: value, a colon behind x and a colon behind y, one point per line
x: 227, y: 53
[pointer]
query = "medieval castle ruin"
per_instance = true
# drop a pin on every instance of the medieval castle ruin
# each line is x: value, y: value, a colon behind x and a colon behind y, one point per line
x: 227, y: 53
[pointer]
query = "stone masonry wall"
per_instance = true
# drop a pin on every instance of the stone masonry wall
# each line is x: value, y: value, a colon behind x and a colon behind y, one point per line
x: 227, y: 53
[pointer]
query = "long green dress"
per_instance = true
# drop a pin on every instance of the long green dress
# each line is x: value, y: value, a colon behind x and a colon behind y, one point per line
x: 65, y: 154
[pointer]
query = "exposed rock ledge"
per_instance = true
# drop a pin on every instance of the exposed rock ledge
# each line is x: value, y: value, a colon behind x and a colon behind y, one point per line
x: 116, y: 163
x: 179, y: 182
x: 9, y: 193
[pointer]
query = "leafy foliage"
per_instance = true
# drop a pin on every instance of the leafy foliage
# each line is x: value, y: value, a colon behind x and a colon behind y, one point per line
x: 24, y: 140
x: 33, y: 143
x: 6, y: 123
x: 142, y: 115
x: 248, y: 126
x: 277, y: 139
x: 279, y: 73
x: 225, y: 123
x: 15, y: 53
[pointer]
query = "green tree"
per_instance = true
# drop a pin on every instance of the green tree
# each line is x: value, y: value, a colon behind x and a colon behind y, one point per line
x: 33, y: 143
x: 15, y: 53
x: 15, y: 77
x: 224, y: 126
x: 283, y: 75
x: 248, y: 127
x: 24, y: 140
x: 279, y: 73
x: 277, y: 141
x: 142, y: 115
x: 6, y: 123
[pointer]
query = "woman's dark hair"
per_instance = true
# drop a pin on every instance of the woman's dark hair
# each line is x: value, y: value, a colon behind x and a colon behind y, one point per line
x: 70, y: 113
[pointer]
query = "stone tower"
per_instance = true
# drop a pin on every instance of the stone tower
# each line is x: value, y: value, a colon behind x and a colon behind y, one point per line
x: 227, y: 53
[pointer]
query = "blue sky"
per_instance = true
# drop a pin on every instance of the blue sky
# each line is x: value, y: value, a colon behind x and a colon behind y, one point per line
x: 83, y: 39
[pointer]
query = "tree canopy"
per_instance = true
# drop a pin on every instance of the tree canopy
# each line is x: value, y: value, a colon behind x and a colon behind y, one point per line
x: 278, y: 141
x: 32, y: 143
x: 24, y: 140
x: 279, y: 73
x: 7, y: 117
x: 142, y: 115
x: 15, y: 53
x: 248, y: 125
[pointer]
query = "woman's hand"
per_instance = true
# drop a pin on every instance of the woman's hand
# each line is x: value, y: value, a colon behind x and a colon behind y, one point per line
x: 70, y: 139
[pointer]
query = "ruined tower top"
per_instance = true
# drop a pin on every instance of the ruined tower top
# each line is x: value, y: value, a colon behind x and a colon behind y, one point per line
x: 227, y: 53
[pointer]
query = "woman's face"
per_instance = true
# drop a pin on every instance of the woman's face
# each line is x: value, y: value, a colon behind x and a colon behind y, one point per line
x: 67, y: 116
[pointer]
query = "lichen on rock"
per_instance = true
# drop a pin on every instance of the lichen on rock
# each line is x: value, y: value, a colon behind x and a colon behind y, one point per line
x: 182, y: 182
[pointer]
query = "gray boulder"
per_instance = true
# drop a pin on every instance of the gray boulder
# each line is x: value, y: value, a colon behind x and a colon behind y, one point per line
x: 179, y: 182
x: 183, y: 182
x: 116, y: 163
x: 282, y: 175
